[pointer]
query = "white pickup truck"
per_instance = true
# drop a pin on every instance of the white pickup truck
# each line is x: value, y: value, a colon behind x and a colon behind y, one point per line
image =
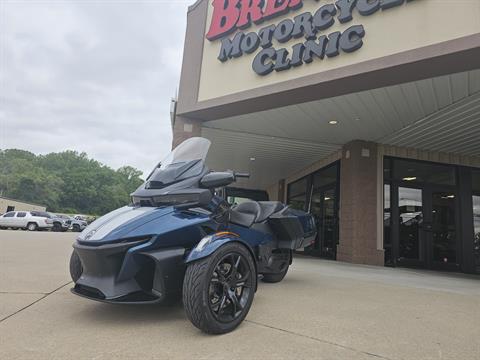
x: 30, y: 220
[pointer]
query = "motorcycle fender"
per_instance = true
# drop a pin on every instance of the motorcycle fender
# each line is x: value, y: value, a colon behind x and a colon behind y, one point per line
x: 209, y: 244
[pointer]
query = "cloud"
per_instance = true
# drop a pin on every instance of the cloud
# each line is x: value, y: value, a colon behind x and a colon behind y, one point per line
x: 91, y: 76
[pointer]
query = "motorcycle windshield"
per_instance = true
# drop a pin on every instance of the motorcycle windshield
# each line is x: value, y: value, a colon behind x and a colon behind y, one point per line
x: 185, y: 161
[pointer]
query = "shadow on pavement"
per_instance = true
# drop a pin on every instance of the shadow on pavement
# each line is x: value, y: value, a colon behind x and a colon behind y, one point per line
x: 131, y: 314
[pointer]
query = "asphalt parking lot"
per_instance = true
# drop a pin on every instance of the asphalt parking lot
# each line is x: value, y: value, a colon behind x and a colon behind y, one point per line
x: 322, y: 310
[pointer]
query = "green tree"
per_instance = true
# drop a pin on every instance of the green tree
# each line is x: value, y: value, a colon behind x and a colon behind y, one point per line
x: 66, y: 182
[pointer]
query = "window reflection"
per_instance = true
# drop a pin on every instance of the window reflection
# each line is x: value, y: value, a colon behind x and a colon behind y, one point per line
x: 325, y: 177
x: 476, y: 181
x: 317, y: 193
x: 297, y: 194
x: 417, y: 171
x: 476, y: 225
x: 411, y: 218
x: 476, y: 216
x: 443, y: 227
x: 329, y: 242
x: 387, y: 226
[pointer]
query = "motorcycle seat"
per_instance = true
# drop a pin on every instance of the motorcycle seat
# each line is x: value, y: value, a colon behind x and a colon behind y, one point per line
x: 250, y: 212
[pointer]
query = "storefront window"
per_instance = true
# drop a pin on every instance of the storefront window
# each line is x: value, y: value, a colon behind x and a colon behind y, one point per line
x: 325, y: 177
x: 387, y: 169
x: 237, y: 196
x: 317, y: 193
x: 476, y: 182
x: 297, y: 194
x: 423, y: 172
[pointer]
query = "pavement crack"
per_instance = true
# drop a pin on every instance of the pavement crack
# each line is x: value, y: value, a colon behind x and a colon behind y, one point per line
x: 320, y: 340
x: 45, y: 295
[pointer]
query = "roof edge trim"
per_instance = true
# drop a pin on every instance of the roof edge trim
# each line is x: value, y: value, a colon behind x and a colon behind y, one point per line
x: 195, y: 5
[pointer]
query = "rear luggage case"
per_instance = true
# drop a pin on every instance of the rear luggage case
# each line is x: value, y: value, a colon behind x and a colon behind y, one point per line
x: 293, y: 228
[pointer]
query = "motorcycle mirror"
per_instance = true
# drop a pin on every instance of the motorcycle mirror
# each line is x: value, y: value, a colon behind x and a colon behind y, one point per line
x: 217, y: 179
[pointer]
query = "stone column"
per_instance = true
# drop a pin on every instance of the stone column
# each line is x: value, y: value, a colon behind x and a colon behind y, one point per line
x: 358, y: 205
x: 185, y: 128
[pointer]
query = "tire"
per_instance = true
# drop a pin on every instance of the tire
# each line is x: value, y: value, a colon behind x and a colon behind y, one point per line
x: 76, y: 228
x: 211, y: 302
x: 275, y: 278
x: 76, y: 268
x: 32, y: 226
x: 57, y: 227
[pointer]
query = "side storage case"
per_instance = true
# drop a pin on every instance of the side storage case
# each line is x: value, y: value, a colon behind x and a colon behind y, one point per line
x: 294, y: 229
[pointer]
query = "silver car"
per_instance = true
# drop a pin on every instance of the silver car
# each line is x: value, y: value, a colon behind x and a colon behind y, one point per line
x: 30, y: 220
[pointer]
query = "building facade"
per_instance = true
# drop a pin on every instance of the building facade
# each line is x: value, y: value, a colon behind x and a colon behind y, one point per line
x: 365, y: 113
x: 7, y: 204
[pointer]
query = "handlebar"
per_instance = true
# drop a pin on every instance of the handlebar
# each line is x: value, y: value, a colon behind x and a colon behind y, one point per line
x: 242, y: 175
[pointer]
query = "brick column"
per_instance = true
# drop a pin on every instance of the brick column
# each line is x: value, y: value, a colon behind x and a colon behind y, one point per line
x: 358, y: 205
x: 185, y: 128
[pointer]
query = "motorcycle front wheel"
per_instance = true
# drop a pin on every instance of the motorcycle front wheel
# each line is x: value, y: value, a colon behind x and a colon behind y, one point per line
x: 218, y: 290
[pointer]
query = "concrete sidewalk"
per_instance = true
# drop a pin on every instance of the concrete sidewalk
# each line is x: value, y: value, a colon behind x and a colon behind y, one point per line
x: 322, y: 310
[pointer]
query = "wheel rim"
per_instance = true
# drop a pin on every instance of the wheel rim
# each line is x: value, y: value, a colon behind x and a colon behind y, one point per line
x: 230, y: 287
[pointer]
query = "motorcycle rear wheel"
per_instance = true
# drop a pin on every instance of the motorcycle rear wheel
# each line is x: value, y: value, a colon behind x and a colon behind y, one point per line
x: 275, y: 278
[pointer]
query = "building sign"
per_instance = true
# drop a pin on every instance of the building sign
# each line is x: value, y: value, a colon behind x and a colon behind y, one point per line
x: 231, y: 16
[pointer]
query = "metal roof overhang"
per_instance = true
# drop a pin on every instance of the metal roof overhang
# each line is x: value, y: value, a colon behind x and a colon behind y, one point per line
x: 437, y: 114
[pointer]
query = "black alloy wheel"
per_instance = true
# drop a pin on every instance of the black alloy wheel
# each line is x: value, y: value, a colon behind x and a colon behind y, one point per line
x: 230, y: 286
x: 76, y: 228
x: 218, y: 290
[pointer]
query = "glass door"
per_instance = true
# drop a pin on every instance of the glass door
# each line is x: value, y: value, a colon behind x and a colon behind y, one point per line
x: 330, y: 225
x: 476, y: 231
x: 427, y: 228
x: 411, y: 240
x: 441, y: 230
x: 323, y: 208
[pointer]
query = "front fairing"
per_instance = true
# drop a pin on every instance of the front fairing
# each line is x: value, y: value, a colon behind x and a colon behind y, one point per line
x: 136, y: 254
x: 134, y: 222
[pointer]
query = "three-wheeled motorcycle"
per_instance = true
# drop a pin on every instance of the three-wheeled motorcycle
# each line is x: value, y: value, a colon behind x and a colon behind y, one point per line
x: 179, y: 238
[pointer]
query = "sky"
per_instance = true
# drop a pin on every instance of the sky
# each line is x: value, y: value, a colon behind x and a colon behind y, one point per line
x: 91, y: 76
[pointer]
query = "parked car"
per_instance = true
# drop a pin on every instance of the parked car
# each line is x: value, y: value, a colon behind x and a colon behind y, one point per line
x: 61, y: 223
x: 78, y: 225
x: 87, y: 219
x: 65, y: 222
x: 30, y: 220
